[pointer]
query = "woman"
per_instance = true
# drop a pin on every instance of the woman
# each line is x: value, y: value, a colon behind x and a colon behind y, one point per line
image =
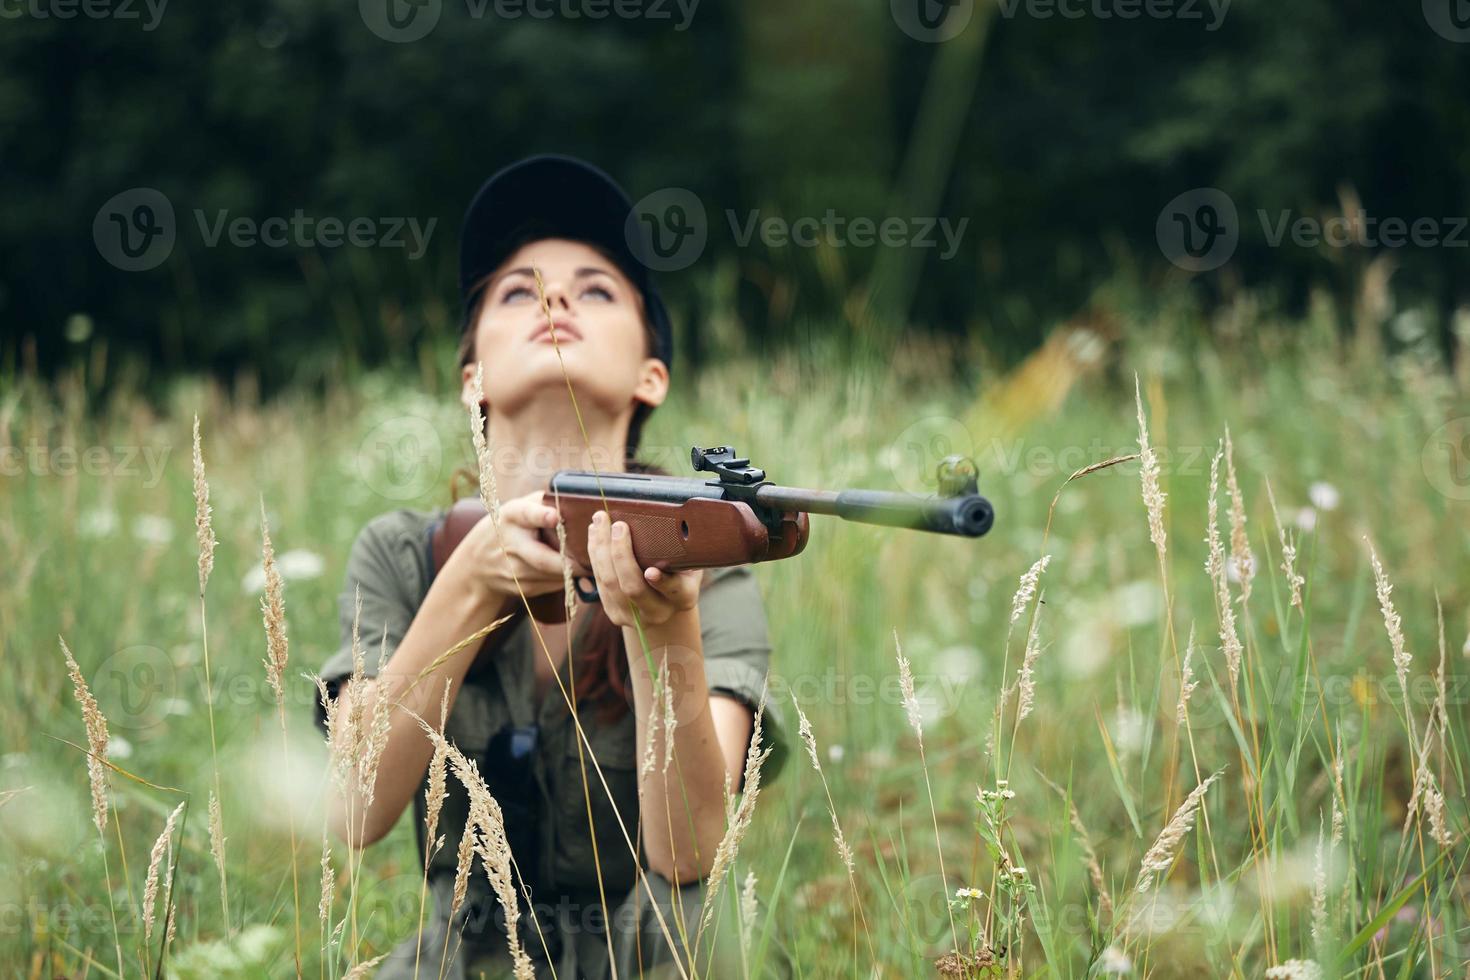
x: 510, y: 705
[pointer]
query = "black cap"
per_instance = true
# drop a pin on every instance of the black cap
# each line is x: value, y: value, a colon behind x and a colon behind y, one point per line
x: 565, y: 197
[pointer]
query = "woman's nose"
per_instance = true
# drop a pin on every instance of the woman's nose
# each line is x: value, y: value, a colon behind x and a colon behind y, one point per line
x: 556, y: 296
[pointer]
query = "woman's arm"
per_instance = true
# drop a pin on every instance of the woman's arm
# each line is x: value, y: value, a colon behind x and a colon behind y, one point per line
x: 487, y: 567
x: 683, y: 809
x: 452, y: 610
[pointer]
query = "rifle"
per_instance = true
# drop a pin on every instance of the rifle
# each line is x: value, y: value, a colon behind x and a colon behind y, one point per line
x: 738, y: 517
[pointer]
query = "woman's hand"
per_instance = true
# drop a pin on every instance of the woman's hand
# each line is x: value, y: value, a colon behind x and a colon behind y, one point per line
x: 623, y: 586
x: 494, y: 562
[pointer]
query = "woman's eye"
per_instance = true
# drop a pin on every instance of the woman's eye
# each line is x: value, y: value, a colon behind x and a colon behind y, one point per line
x: 515, y: 294
x: 600, y: 292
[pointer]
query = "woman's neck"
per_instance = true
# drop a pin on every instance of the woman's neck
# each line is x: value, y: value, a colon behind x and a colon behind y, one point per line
x: 528, y: 447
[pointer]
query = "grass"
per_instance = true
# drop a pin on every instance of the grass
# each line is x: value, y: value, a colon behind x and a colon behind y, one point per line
x: 1100, y: 773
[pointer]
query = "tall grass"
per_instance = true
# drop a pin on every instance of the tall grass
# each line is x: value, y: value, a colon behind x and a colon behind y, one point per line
x: 1285, y: 791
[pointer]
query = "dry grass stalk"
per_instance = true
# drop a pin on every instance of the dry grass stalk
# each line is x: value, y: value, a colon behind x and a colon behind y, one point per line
x: 651, y: 741
x: 1320, y: 929
x: 346, y: 733
x: 364, y: 969
x: 437, y: 789
x: 1089, y: 856
x: 671, y: 718
x: 1027, y: 679
x: 804, y: 729
x: 464, y: 864
x: 1187, y: 683
x: 202, y: 524
x: 329, y: 884
x: 155, y: 864
x: 1393, y: 624
x: 1027, y: 588
x: 1294, y: 582
x: 1153, y: 497
x: 96, y: 724
x: 273, y: 611
x: 1434, y: 808
x: 1295, y: 970
x: 755, y: 757
x: 1339, y: 794
x: 217, y: 839
x: 1215, y: 568
x: 1240, y: 546
x: 1441, y: 693
x: 910, y: 699
x: 747, y: 913
x: 1423, y: 784
x: 484, y: 834
x: 489, y: 493
x: 376, y: 738
x: 911, y: 707
x: 204, y: 530
x: 1165, y: 849
x: 569, y: 589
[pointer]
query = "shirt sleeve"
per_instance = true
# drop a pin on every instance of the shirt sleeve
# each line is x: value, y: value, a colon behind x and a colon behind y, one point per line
x: 384, y: 570
x: 737, y: 652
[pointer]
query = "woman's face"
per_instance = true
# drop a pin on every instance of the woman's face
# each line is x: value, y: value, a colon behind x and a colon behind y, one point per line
x: 598, y: 315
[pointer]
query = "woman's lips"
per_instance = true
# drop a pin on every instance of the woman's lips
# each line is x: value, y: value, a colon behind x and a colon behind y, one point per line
x: 565, y: 332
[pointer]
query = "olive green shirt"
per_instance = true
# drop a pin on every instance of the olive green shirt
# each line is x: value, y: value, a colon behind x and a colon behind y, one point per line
x: 542, y: 795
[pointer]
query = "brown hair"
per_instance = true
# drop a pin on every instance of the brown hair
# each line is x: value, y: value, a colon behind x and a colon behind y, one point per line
x: 603, y: 677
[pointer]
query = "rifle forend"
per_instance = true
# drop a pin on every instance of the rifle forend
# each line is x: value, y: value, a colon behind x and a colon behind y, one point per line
x: 737, y: 518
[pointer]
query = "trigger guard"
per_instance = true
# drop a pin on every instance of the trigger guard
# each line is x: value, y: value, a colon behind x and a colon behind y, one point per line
x: 586, y: 595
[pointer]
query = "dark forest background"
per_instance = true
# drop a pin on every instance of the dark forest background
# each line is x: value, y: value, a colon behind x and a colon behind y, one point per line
x: 1059, y: 138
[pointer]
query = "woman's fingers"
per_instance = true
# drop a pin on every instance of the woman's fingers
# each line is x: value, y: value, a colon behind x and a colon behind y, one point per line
x: 529, y: 512
x: 602, y: 570
x: 625, y: 565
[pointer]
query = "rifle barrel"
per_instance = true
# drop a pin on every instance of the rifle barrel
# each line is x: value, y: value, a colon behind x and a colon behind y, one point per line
x: 969, y: 515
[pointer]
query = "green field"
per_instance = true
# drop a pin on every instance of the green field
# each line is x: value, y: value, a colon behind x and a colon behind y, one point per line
x: 1361, y: 446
